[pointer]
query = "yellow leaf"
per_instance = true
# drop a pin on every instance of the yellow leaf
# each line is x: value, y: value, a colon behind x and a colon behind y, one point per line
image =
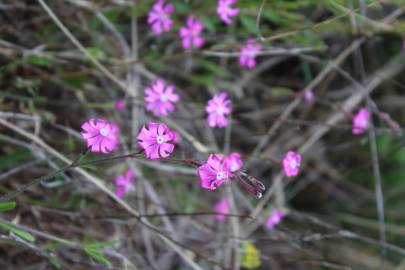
x: 250, y: 256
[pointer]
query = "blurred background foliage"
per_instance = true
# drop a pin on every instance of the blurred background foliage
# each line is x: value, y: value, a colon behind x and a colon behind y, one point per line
x: 43, y: 75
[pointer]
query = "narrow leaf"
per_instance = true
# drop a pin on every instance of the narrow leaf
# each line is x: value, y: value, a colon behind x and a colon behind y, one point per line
x: 20, y: 233
x: 5, y: 206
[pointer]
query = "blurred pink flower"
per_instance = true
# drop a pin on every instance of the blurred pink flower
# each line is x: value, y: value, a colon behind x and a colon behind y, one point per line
x: 221, y: 208
x: 123, y: 183
x: 191, y: 33
x: 120, y: 105
x: 275, y: 218
x: 248, y: 54
x: 403, y: 44
x: 225, y: 11
x: 234, y: 161
x: 159, y: 17
x: 160, y: 98
x: 291, y: 163
x: 176, y: 137
x: 156, y: 140
x: 361, y: 121
x: 214, y: 173
x: 309, y: 95
x: 100, y: 135
x: 217, y: 108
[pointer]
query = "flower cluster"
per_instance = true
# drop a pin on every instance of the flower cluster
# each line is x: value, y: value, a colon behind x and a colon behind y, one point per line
x: 219, y: 169
x: 157, y: 140
x: 160, y: 22
x: 214, y: 172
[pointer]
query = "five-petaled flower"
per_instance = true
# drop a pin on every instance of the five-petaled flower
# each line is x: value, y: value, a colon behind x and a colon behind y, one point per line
x: 160, y: 98
x: 221, y: 209
x: 291, y: 163
x: 225, y: 10
x: 361, y: 121
x: 214, y: 172
x: 217, y: 108
x: 191, y: 33
x: 159, y: 17
x: 234, y: 161
x: 100, y: 135
x: 123, y: 183
x: 275, y: 218
x: 248, y: 54
x: 156, y: 139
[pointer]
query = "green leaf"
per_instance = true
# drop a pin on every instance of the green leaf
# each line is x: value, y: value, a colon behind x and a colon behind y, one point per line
x: 249, y: 24
x: 20, y: 233
x: 14, y: 158
x: 181, y: 8
x: 280, y: 90
x: 38, y: 60
x: 209, y: 23
x: 214, y: 68
x: 102, y: 244
x: 202, y: 79
x: 5, y: 206
x: 76, y: 81
x: 53, y: 245
x: 55, y: 261
x: 96, y: 53
x: 96, y: 254
x: 94, y: 251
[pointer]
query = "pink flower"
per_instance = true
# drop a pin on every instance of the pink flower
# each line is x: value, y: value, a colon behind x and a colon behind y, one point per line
x: 275, y: 218
x: 191, y: 33
x: 291, y: 163
x: 361, y: 121
x: 100, y: 135
x: 225, y: 11
x: 248, y: 54
x: 214, y: 173
x: 123, y: 183
x: 156, y: 140
x: 309, y: 95
x: 234, y: 161
x: 217, y: 108
x: 120, y: 105
x: 221, y: 208
x: 160, y: 98
x: 159, y: 17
